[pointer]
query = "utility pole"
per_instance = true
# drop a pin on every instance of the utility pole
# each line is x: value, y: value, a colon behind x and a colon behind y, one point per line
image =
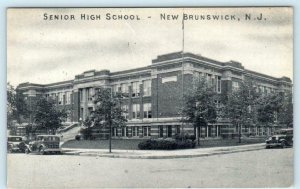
x: 182, y: 73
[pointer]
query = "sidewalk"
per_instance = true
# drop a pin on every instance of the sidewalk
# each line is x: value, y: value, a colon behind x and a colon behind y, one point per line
x: 162, y: 154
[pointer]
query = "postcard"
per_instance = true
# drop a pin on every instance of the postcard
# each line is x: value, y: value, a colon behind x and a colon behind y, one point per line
x: 150, y: 97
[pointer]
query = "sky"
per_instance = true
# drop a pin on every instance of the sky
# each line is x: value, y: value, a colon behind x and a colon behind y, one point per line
x: 46, y: 51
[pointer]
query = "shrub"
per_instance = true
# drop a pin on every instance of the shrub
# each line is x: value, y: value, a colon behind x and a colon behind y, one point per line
x: 181, y: 137
x: 86, y: 133
x: 191, y: 137
x: 167, y: 144
x: 186, y: 144
x: 77, y: 137
x: 145, y: 145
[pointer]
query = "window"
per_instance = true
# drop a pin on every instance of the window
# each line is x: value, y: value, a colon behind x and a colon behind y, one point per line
x: 218, y: 103
x: 125, y: 111
x: 209, y: 79
x: 147, y: 131
x: 60, y: 98
x: 214, y: 82
x: 81, y: 95
x: 275, y: 116
x: 261, y: 89
x: 177, y: 129
x: 127, y: 131
x: 115, y: 132
x: 115, y: 89
x: 124, y: 133
x: 124, y: 90
x: 90, y: 110
x: 147, y: 87
x: 147, y: 110
x: 68, y: 97
x: 135, y: 131
x: 197, y: 75
x: 69, y: 116
x: 90, y: 94
x: 249, y: 109
x: 135, y: 111
x: 265, y: 90
x: 135, y: 89
x: 219, y: 84
x: 161, y: 131
x: 169, y: 131
x: 46, y: 96
x: 81, y: 113
x: 235, y: 85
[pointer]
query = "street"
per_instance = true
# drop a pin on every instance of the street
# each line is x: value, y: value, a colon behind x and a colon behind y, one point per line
x: 261, y: 168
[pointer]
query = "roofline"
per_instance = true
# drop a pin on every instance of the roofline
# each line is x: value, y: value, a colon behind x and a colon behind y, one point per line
x: 160, y: 61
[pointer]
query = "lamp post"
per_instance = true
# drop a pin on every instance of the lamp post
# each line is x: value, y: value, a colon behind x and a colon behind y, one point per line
x: 80, y: 121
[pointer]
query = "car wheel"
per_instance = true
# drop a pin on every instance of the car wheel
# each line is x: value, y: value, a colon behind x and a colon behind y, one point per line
x: 27, y: 151
x: 9, y: 150
x: 267, y: 147
x: 283, y: 144
x: 41, y: 150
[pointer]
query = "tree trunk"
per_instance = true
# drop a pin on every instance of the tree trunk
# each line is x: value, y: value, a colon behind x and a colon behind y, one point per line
x: 198, y: 135
x: 240, y: 132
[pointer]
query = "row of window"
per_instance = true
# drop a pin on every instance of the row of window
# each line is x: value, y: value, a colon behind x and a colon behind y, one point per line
x: 62, y: 97
x: 216, y: 82
x: 135, y: 86
x: 168, y: 130
x: 265, y: 90
x: 235, y: 85
x: 212, y: 80
x: 145, y: 131
x: 136, y: 111
x: 132, y: 132
x: 89, y: 94
x: 259, y: 88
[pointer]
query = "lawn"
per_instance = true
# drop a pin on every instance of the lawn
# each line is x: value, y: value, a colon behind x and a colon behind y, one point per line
x: 132, y: 144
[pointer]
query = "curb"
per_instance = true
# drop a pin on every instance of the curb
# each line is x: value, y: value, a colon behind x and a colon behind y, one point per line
x: 205, y: 154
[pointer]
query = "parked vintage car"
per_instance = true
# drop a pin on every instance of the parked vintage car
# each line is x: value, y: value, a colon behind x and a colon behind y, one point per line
x: 15, y: 144
x: 282, y: 138
x: 44, y: 144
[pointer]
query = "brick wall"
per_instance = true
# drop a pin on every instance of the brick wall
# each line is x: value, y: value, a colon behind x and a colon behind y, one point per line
x: 167, y: 96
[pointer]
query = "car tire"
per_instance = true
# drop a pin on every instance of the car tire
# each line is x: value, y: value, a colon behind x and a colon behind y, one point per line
x: 41, y: 150
x: 27, y: 151
x: 283, y: 144
x: 267, y: 147
x: 9, y: 150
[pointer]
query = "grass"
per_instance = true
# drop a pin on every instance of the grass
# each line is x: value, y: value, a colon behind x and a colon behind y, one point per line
x: 132, y: 144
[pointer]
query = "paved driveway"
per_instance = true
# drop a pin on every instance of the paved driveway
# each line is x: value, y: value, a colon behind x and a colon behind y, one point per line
x: 263, y: 168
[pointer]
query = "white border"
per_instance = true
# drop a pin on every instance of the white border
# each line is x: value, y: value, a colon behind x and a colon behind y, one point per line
x: 136, y: 3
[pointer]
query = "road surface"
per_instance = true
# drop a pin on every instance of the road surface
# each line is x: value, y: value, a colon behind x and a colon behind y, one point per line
x: 262, y: 168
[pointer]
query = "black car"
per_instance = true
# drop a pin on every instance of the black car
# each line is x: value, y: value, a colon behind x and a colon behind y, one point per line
x: 282, y: 138
x: 15, y: 144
